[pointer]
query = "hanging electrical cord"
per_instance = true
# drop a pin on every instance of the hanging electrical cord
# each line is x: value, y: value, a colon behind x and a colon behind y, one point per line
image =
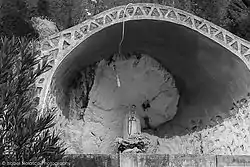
x: 123, y: 27
x: 120, y: 44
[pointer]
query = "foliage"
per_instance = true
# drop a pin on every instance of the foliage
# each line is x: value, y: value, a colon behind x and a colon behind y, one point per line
x: 239, y: 15
x: 23, y: 138
x: 242, y: 29
x: 232, y: 15
x: 227, y: 14
x: 42, y: 7
x: 67, y: 13
x: 15, y: 19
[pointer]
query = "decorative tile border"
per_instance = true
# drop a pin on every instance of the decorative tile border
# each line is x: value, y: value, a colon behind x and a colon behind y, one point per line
x: 56, y: 47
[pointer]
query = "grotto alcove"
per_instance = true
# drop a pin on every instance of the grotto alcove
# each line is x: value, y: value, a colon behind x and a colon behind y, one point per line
x: 209, y: 78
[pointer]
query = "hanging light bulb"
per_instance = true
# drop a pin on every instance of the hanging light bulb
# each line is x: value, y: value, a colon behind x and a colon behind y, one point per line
x: 117, y: 76
x: 118, y: 81
x: 120, y: 44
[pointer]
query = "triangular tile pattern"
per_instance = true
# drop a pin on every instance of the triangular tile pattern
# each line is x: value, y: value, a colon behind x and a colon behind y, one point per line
x: 138, y: 11
x: 38, y: 45
x: 55, y: 41
x: 147, y: 9
x: 220, y: 36
x: 93, y: 26
x: 84, y: 29
x: 100, y: 20
x: 197, y: 23
x: 204, y: 28
x: 52, y: 62
x: 172, y: 15
x: 46, y: 46
x: 50, y: 57
x: 228, y: 39
x: 45, y: 57
x: 67, y: 36
x: 243, y: 49
x: 213, y: 30
x: 189, y: 21
x: 114, y: 15
x: 48, y: 68
x: 152, y: 11
x: 77, y: 35
x: 38, y: 90
x: 247, y: 57
x: 39, y: 52
x: 65, y: 45
x: 108, y: 19
x: 54, y: 53
x: 130, y: 11
x: 155, y: 13
x: 36, y: 101
x: 182, y: 16
x: 122, y: 14
x: 235, y: 45
x: 163, y: 11
x: 41, y: 80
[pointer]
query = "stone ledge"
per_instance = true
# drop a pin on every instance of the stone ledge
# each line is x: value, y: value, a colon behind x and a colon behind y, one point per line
x: 157, y: 160
x: 233, y: 161
x: 92, y: 160
x: 192, y: 160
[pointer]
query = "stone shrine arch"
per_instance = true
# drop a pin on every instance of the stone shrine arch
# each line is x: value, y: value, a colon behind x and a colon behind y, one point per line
x: 161, y: 32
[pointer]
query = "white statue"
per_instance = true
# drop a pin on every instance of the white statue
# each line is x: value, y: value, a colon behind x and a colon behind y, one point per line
x: 131, y: 124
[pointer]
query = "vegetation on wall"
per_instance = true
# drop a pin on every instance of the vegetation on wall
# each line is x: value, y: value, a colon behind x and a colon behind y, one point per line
x: 23, y: 138
x: 232, y: 15
x: 15, y: 19
x: 15, y: 15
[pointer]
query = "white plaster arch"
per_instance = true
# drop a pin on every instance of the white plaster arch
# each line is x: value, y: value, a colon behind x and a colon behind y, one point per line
x: 57, y: 47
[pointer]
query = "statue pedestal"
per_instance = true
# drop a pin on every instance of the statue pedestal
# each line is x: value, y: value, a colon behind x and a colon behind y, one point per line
x: 132, y: 142
x: 127, y: 162
x: 131, y: 160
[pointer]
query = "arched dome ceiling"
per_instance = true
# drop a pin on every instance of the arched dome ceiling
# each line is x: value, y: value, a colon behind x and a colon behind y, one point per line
x: 209, y: 64
x: 208, y: 76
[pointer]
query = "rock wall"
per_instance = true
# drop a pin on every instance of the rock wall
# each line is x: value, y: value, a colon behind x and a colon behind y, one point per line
x: 44, y: 27
x: 225, y: 137
x: 96, y: 108
x: 96, y: 133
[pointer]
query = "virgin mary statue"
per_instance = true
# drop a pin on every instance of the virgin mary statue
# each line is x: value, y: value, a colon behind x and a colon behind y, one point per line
x: 131, y: 124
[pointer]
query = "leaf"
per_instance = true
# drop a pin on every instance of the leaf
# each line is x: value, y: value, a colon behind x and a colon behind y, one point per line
x: 30, y: 137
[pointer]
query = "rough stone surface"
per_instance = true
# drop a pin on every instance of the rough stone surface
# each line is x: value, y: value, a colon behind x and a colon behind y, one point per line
x: 211, y: 140
x: 44, y: 27
x: 228, y: 137
x: 94, y: 135
x: 139, y: 82
x: 102, y: 121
